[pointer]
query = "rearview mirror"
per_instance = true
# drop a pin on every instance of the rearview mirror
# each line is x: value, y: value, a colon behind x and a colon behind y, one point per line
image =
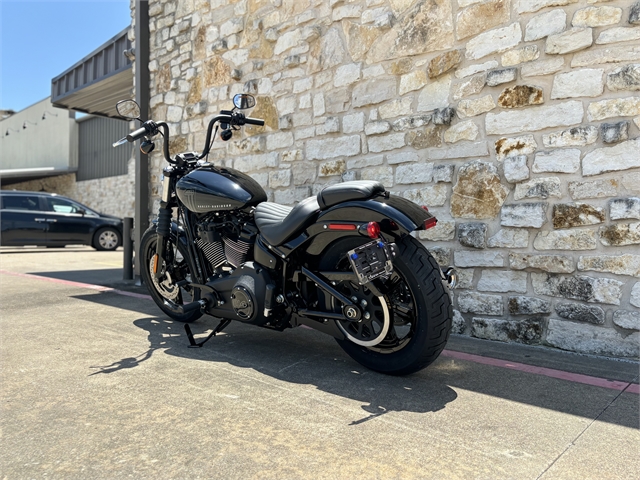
x: 128, y: 109
x: 242, y: 101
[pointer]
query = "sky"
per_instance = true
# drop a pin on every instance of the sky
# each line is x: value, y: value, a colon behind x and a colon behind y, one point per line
x: 41, y: 39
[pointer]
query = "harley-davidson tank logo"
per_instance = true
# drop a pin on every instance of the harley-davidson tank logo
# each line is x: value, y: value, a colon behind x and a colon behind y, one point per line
x: 226, y: 205
x: 190, y: 199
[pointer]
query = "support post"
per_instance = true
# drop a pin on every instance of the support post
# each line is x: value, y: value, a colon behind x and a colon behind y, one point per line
x: 127, y: 244
x: 142, y: 97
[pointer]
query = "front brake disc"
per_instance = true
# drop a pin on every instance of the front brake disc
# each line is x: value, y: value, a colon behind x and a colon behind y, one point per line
x: 166, y: 287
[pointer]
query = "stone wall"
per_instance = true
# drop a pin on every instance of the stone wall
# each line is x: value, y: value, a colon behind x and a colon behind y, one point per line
x: 110, y: 195
x: 515, y: 121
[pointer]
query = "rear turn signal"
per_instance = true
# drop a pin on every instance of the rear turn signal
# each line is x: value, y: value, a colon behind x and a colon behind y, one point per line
x: 373, y: 229
x: 430, y: 222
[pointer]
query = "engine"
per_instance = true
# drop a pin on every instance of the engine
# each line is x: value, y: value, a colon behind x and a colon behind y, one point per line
x: 243, y: 289
x: 227, y: 243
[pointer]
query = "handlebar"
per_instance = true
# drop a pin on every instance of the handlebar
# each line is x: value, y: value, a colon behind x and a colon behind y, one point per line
x: 207, y: 142
x: 151, y: 128
x: 139, y: 133
x: 254, y: 121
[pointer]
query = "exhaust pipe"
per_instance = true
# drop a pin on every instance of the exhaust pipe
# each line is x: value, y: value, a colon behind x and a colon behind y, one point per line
x: 450, y: 275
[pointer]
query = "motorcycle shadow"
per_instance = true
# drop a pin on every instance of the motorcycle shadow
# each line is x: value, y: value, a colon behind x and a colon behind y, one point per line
x: 298, y: 356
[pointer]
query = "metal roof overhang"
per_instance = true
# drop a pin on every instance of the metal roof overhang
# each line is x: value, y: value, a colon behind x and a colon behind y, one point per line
x: 98, y: 81
x: 19, y: 175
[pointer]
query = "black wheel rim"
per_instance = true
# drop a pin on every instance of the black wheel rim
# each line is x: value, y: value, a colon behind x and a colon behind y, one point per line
x: 403, y: 314
x: 400, y: 303
x: 374, y: 313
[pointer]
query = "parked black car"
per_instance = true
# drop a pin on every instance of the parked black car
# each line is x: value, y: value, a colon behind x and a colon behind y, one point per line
x: 38, y: 218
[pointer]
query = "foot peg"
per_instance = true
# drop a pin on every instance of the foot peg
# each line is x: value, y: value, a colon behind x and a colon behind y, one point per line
x: 186, y: 308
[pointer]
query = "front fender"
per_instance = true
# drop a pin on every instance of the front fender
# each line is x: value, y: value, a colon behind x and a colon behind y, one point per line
x: 177, y: 232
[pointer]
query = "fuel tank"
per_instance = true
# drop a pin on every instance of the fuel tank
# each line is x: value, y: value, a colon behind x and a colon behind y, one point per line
x: 210, y: 189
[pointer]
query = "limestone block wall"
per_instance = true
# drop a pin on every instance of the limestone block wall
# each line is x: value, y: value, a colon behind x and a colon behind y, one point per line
x: 515, y: 121
x: 110, y: 195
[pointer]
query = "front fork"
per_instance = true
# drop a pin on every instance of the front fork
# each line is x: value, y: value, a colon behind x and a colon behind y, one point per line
x: 163, y: 229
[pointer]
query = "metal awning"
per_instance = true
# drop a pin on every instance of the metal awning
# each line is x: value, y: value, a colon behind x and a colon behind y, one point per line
x: 19, y: 175
x: 98, y: 81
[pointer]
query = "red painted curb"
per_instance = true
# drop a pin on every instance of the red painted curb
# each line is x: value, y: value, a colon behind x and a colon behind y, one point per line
x: 70, y: 283
x: 547, y: 372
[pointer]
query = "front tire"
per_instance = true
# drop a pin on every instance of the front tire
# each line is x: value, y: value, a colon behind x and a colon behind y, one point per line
x: 179, y: 268
x: 420, y: 314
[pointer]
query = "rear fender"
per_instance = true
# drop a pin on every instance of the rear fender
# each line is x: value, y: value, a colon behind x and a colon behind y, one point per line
x: 396, y: 216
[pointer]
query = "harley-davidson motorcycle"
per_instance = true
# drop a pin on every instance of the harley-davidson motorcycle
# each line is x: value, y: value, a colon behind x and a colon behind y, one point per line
x: 343, y: 262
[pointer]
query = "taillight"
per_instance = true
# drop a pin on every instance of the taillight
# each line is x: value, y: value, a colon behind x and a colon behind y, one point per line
x: 424, y: 207
x: 373, y: 229
x: 430, y: 222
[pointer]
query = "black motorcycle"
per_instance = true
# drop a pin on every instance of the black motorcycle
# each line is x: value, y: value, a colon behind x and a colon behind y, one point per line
x: 343, y: 263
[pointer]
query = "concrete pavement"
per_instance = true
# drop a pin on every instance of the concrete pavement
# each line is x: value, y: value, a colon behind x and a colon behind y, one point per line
x: 96, y: 384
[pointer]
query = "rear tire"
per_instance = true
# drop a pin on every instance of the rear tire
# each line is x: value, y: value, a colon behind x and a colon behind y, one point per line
x: 107, y: 239
x: 166, y: 289
x: 420, y: 311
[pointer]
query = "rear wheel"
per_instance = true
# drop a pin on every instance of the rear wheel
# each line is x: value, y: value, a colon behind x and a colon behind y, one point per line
x: 106, y: 238
x: 409, y: 324
x: 175, y: 268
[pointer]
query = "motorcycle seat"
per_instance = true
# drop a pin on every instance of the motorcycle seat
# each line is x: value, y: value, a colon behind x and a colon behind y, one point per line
x: 277, y: 223
x: 343, y: 192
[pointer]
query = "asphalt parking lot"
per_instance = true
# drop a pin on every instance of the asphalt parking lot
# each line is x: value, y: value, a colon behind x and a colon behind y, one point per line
x: 97, y: 383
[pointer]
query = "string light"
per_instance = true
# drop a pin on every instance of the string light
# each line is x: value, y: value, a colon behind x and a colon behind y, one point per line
x: 44, y: 115
x: 26, y: 123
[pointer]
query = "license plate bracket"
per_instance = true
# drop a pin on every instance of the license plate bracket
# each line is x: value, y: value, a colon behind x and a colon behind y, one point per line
x: 372, y: 260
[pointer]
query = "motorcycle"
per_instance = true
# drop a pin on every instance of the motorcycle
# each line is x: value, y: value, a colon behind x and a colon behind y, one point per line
x: 343, y: 262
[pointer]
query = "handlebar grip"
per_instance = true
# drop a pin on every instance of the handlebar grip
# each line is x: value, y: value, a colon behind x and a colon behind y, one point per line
x: 254, y: 121
x: 133, y: 136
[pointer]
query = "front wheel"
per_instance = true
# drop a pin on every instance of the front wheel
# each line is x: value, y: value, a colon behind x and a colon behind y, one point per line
x: 175, y: 268
x: 413, y: 315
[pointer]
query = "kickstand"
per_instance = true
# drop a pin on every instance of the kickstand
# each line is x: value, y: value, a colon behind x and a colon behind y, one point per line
x: 192, y: 340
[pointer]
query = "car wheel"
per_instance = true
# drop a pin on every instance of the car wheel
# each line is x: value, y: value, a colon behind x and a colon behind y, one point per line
x: 106, y: 239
